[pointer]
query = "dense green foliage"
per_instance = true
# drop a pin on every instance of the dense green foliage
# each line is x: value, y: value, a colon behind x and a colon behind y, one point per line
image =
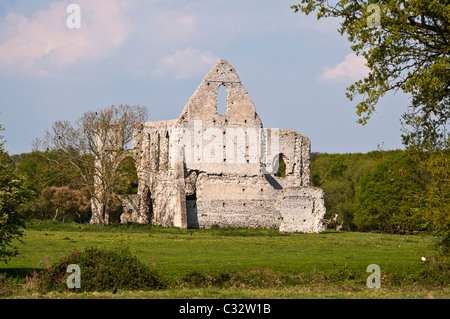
x: 384, y: 190
x: 13, y: 193
x: 389, y: 196
x: 339, y: 176
x: 281, y: 171
x: 56, y: 190
x: 127, y: 183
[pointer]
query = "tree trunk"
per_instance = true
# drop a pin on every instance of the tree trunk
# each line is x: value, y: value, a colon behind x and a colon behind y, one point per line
x: 56, y: 214
x: 100, y: 213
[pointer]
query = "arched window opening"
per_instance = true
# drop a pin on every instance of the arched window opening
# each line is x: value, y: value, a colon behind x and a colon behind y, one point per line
x: 221, y: 99
x: 126, y: 189
x: 281, y: 172
x: 127, y: 178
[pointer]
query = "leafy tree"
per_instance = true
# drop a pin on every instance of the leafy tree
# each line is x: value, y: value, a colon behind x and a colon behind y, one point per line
x: 281, y: 171
x: 42, y: 171
x: 127, y: 182
x: 338, y: 167
x: 64, y: 203
x: 339, y: 175
x: 435, y: 169
x: 390, y: 196
x: 409, y: 50
x: 12, y: 195
x: 438, y: 189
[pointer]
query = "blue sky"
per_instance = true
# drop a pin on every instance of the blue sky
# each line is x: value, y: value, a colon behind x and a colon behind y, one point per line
x: 155, y: 53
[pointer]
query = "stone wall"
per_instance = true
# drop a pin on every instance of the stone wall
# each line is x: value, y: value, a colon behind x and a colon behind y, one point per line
x: 236, y: 201
x: 302, y: 210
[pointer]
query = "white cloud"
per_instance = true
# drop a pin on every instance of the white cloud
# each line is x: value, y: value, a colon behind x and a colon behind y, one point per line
x: 43, y: 42
x: 353, y: 67
x: 185, y: 63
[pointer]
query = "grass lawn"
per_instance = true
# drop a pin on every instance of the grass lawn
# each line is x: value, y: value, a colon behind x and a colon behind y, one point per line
x: 177, y: 253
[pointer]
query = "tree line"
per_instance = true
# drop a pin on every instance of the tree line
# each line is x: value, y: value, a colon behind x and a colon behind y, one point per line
x: 390, y: 191
x: 56, y: 192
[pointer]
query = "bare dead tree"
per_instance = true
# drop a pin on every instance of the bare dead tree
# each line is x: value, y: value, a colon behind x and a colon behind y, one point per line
x: 92, y: 148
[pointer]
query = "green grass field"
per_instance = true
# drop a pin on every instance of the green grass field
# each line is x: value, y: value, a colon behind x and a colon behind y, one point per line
x: 179, y: 253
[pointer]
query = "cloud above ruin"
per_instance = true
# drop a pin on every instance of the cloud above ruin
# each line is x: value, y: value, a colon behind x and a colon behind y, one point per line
x: 143, y: 38
x: 42, y: 42
x: 352, y: 68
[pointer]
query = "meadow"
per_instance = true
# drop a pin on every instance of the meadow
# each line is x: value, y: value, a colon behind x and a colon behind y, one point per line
x: 250, y: 263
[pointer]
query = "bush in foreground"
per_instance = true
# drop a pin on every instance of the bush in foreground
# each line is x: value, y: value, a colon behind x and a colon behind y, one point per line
x: 101, y: 270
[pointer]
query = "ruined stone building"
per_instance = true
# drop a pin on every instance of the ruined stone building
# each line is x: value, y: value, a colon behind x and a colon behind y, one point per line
x: 206, y: 168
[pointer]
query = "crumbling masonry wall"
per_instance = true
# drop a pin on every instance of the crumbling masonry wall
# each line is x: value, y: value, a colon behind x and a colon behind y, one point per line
x: 206, y: 168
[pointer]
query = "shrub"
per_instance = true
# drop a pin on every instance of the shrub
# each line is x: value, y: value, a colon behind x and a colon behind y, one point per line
x: 102, y: 269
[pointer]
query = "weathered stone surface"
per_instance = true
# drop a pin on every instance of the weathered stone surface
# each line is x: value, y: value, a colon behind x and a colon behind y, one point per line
x: 131, y: 210
x: 302, y: 210
x: 206, y: 168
